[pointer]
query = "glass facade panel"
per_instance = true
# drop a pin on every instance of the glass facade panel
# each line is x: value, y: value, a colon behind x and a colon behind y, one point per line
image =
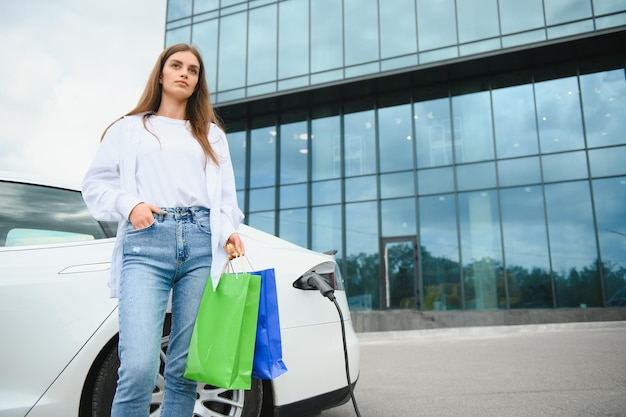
x: 570, y: 29
x: 573, y: 245
x: 361, y: 31
x: 360, y: 143
x: 262, y: 43
x: 480, y: 46
x: 293, y: 83
x: 526, y: 251
x: 438, y: 54
x: 481, y: 250
x: 257, y: 90
x: 435, y: 181
x: 326, y: 148
x: 436, y: 24
x: 178, y: 35
x: 262, y: 199
x: 433, y: 133
x: 294, y: 149
x: 327, y: 229
x: 326, y: 192
x: 326, y: 35
x: 524, y: 38
x: 263, y: 160
x: 398, y: 33
x: 610, y: 21
x: 559, y: 114
x: 518, y: 16
x: 362, y: 261
x: 237, y: 145
x: 476, y: 176
x: 395, y: 138
x: 439, y: 247
x: 205, y: 38
x: 361, y: 188
x: 564, y: 166
x: 519, y: 171
x: 604, y: 107
x: 515, y: 121
x: 605, y: 6
x: 561, y: 11
x: 178, y: 9
x: 610, y: 204
x: 202, y: 6
x: 477, y: 19
x: 402, y: 62
x: 293, y: 226
x: 399, y: 184
x: 607, y: 161
x: 263, y: 221
x: 472, y: 127
x: 293, y: 196
x: 398, y: 217
x: 231, y: 95
x: 232, y: 52
x: 226, y: 3
x: 293, y: 38
x: 362, y: 69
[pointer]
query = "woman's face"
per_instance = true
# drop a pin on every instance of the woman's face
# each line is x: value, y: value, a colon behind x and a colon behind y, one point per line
x: 179, y: 76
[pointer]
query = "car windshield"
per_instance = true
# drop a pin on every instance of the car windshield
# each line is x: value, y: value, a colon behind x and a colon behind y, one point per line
x: 35, y: 215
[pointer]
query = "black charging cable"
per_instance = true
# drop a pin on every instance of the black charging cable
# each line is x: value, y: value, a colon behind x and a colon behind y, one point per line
x: 345, y: 354
x: 316, y: 281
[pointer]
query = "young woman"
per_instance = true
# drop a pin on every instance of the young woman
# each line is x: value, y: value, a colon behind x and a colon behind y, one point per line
x: 164, y: 173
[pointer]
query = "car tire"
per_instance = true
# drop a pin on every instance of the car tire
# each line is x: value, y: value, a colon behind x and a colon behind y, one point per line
x: 210, y: 401
x: 104, y: 385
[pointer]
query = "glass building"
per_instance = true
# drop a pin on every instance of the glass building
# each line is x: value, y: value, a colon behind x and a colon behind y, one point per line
x: 465, y: 155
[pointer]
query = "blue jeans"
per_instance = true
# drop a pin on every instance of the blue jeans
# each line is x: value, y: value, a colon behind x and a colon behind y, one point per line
x: 174, y: 253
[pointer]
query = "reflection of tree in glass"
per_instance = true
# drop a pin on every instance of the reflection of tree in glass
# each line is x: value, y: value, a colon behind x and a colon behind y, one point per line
x: 362, y: 276
x: 527, y: 287
x: 614, y: 279
x: 401, y: 275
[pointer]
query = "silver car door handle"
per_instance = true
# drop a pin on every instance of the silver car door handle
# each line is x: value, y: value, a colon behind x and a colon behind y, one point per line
x: 75, y: 269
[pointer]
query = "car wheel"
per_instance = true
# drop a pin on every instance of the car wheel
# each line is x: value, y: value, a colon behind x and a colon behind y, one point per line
x: 210, y: 401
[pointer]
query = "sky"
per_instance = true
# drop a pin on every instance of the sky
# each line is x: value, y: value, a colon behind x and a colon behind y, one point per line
x: 69, y: 68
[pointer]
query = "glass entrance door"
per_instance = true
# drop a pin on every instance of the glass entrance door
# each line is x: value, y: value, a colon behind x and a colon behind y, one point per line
x: 400, y: 284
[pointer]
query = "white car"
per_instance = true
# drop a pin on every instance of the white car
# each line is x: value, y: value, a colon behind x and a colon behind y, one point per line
x: 58, y: 353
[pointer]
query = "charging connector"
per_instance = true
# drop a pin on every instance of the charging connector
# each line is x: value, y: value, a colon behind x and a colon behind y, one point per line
x: 315, y: 280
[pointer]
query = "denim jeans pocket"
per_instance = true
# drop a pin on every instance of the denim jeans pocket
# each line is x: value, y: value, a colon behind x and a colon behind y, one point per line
x: 203, y: 223
x: 130, y: 229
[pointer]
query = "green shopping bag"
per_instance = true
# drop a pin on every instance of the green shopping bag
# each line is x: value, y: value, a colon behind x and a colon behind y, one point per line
x: 222, y: 344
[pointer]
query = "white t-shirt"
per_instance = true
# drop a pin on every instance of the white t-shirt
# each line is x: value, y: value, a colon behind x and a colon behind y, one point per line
x: 171, y: 169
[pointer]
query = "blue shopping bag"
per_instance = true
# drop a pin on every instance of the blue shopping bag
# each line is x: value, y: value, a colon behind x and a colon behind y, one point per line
x: 268, y: 351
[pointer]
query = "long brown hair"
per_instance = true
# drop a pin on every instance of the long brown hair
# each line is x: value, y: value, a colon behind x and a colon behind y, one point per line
x: 199, y: 109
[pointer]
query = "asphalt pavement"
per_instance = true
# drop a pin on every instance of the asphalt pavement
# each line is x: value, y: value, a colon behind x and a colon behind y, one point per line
x: 551, y: 370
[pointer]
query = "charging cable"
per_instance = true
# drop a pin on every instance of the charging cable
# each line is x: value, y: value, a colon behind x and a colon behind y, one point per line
x: 316, y: 281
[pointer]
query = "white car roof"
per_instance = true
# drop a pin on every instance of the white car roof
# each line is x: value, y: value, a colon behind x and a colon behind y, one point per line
x: 41, y: 179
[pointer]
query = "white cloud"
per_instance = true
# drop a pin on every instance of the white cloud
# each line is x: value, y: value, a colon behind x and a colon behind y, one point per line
x: 70, y: 67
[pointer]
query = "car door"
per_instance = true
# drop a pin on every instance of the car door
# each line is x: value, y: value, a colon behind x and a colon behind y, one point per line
x: 54, y: 268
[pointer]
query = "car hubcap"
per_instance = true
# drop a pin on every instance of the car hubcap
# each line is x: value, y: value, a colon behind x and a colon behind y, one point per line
x: 210, y: 401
